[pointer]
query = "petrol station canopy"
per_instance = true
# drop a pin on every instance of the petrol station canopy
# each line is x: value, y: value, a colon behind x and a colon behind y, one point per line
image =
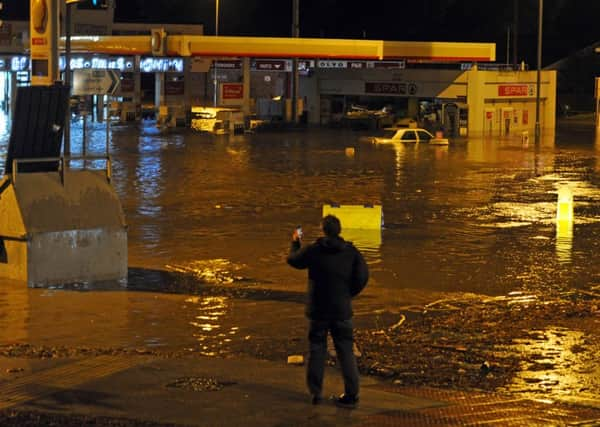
x: 280, y: 47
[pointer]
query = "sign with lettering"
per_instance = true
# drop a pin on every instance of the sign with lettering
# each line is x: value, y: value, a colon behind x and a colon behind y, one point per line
x: 161, y: 65
x: 392, y: 88
x: 329, y: 63
x: 120, y: 63
x: 95, y: 82
x: 233, y: 90
x: 228, y: 65
x: 270, y: 65
x: 515, y: 90
x: 357, y: 65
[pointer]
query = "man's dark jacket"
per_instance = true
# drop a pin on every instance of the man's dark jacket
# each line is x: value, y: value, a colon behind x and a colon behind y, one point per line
x: 336, y: 272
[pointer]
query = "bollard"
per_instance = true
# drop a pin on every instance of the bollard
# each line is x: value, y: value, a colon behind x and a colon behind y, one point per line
x: 564, y: 205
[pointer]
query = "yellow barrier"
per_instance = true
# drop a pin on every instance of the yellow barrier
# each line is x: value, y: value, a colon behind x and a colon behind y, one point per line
x: 365, y: 240
x: 369, y: 217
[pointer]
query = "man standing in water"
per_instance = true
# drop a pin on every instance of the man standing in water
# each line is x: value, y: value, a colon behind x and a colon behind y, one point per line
x: 337, y: 272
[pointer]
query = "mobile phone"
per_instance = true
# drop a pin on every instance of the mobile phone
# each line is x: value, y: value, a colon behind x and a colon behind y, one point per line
x: 299, y: 231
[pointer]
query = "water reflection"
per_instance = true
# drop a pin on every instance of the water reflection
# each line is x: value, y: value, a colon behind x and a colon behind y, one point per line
x: 367, y: 241
x: 207, y: 324
x: 553, y: 364
x: 212, y: 271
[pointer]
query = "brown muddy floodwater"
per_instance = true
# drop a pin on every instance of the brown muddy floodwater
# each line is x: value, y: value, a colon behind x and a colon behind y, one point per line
x: 475, y: 219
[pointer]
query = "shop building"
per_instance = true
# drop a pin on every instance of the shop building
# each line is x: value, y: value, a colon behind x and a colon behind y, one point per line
x: 462, y: 98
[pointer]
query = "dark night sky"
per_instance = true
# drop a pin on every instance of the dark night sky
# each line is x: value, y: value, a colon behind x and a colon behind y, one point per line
x: 569, y: 25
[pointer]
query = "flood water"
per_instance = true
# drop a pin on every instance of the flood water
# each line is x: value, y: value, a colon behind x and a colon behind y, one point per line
x: 477, y: 216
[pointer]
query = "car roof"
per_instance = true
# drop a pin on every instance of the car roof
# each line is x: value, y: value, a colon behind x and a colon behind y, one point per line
x: 405, y: 129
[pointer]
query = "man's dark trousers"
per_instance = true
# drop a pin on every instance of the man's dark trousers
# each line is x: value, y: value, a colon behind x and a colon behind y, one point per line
x: 341, y: 332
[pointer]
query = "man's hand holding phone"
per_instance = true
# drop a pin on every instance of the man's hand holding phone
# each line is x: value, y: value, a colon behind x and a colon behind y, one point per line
x: 297, y: 236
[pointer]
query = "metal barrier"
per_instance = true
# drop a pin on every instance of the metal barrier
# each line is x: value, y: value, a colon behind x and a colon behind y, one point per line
x: 62, y: 161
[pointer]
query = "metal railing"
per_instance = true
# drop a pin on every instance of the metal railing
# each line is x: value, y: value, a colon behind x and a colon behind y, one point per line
x: 62, y: 160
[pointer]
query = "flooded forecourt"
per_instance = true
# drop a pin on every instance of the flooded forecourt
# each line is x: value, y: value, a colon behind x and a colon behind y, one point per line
x: 472, y: 224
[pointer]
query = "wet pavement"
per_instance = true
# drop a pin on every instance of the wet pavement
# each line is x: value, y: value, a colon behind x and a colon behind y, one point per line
x: 473, y: 285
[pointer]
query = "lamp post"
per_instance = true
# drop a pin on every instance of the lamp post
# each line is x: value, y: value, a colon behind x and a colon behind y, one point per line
x: 67, y: 130
x: 216, y: 86
x: 539, y: 66
x: 295, y: 75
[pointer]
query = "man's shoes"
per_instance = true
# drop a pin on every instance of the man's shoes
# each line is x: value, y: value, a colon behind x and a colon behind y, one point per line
x: 346, y: 401
x: 316, y: 399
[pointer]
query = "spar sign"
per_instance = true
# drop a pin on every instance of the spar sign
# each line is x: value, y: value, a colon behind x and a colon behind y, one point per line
x: 512, y: 90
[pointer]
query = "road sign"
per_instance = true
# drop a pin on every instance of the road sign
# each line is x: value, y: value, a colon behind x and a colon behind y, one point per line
x: 95, y: 82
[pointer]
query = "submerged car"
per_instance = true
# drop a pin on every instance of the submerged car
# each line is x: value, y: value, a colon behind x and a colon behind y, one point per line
x: 408, y: 135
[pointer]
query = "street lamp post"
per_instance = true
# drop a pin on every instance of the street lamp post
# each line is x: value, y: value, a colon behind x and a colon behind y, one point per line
x: 67, y: 129
x: 539, y: 66
x: 216, y: 86
x: 295, y: 75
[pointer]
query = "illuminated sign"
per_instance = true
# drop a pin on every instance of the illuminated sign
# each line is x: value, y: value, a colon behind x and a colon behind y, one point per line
x: 39, y: 15
x: 19, y: 63
x: 98, y: 63
x: 161, y: 65
x: 515, y: 90
x: 42, y: 44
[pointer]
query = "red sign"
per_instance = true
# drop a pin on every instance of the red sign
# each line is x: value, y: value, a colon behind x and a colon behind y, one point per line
x: 513, y: 90
x: 525, y: 117
x: 39, y: 41
x: 489, y: 115
x: 233, y: 91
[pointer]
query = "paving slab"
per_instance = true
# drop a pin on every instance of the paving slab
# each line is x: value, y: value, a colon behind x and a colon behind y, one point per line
x: 194, y: 391
x: 142, y: 390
